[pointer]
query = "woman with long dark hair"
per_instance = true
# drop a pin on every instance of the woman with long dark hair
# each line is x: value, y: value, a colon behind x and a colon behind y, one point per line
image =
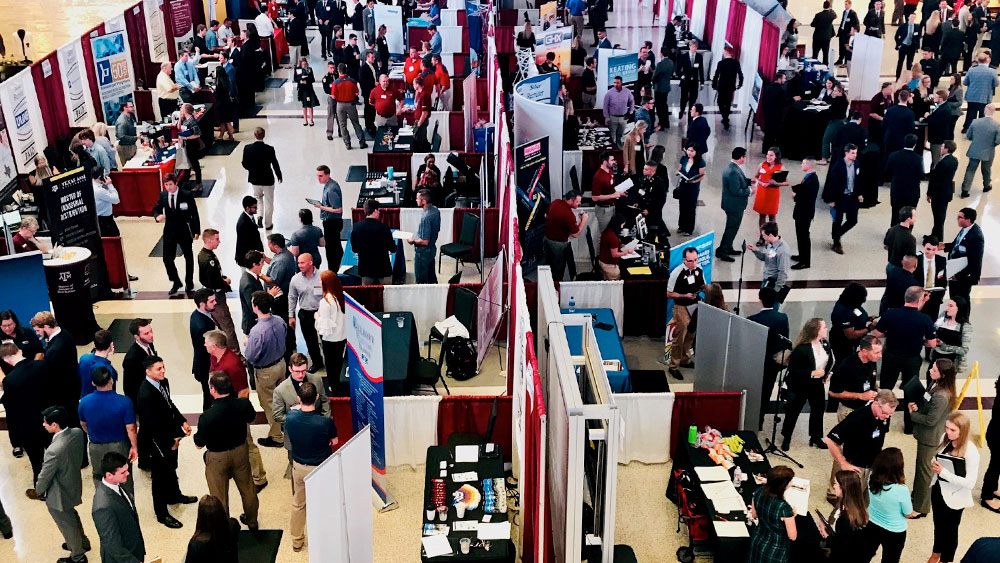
x: 692, y: 167
x: 768, y: 195
x: 776, y: 530
x: 849, y: 322
x: 928, y: 426
x: 951, y: 493
x: 846, y: 535
x: 808, y: 369
x: 215, y: 534
x: 889, y: 505
x: 331, y: 324
x: 954, y: 333
x: 611, y: 249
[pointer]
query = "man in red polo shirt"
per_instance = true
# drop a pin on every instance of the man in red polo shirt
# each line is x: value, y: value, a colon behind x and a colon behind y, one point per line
x: 386, y: 102
x: 442, y: 83
x: 345, y: 91
x: 603, y: 192
x: 411, y: 67
x: 222, y: 359
x: 561, y: 224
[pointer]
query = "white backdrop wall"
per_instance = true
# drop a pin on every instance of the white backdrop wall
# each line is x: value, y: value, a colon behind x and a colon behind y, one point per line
x: 24, y: 119
x: 428, y: 303
x: 645, y: 430
x: 596, y: 295
x: 392, y: 18
x: 698, y: 18
x: 749, y: 54
x: 719, y: 32
x: 534, y: 120
x: 155, y: 31
x: 865, y: 64
x: 76, y: 90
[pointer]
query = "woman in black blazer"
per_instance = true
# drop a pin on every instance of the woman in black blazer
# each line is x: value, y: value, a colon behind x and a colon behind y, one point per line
x: 808, y: 370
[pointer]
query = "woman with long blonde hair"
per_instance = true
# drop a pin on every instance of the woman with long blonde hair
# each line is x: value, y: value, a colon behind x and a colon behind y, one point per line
x: 331, y: 324
x: 632, y: 144
x: 809, y: 368
x: 951, y: 492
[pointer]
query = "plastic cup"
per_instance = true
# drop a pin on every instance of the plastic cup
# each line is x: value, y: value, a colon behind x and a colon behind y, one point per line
x: 430, y: 514
x: 465, y: 544
x: 460, y: 510
x: 443, y: 514
x: 400, y: 321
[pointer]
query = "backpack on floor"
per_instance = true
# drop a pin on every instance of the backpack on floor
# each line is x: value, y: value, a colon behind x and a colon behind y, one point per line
x: 460, y: 357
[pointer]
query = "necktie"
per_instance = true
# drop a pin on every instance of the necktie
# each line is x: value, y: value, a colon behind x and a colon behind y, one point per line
x: 164, y: 390
x: 173, y: 204
x: 929, y: 266
x: 125, y: 496
x: 152, y: 350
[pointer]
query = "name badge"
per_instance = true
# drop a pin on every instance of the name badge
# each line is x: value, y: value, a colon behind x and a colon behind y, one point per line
x: 961, y: 248
x: 867, y: 386
x: 762, y: 171
x: 696, y: 65
x: 318, y: 291
x: 857, y: 312
x: 876, y: 433
x: 927, y: 396
x: 183, y: 206
x: 772, y: 253
x: 690, y: 279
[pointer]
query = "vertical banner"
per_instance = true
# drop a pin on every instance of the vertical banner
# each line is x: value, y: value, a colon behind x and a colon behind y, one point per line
x: 364, y: 369
x: 69, y: 200
x: 115, y: 80
x: 540, y: 88
x: 704, y: 244
x: 8, y: 168
x: 489, y: 310
x: 559, y: 41
x: 24, y: 117
x: 116, y: 23
x: 612, y: 63
x: 155, y: 33
x: 79, y: 103
x: 547, y: 15
x: 181, y: 22
x: 533, y: 197
x: 392, y: 18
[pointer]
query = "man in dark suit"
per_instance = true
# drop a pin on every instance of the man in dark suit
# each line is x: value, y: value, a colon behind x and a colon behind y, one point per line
x: 691, y: 71
x: 803, y: 213
x: 62, y: 378
x: 669, y: 37
x: 969, y: 243
x: 60, y: 481
x: 851, y: 133
x: 773, y: 100
x: 735, y: 193
x: 259, y: 160
x: 941, y: 186
x: 843, y: 193
x: 905, y: 169
x: 848, y: 21
x: 367, y: 81
x: 875, y: 21
x: 727, y: 80
x: 324, y: 13
x: 115, y: 515
x: 952, y: 47
x: 178, y: 212
x: 22, y: 400
x: 777, y: 340
x: 161, y: 431
x: 372, y: 241
x: 250, y: 282
x: 201, y: 322
x: 133, y: 371
x: 940, y: 125
x: 247, y: 235
x: 897, y: 281
x: 352, y: 56
x: 907, y: 43
x: 896, y: 125
x: 698, y: 129
x: 822, y: 25
x: 932, y: 271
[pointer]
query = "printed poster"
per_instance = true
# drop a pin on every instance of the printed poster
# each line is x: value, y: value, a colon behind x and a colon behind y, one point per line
x: 547, y: 15
x: 364, y: 369
x: 704, y: 244
x: 559, y: 41
x: 115, y: 80
x: 69, y: 200
x: 156, y: 36
x: 533, y: 197
x: 24, y: 118
x: 183, y: 26
x: 392, y: 18
x: 76, y: 88
x: 8, y: 168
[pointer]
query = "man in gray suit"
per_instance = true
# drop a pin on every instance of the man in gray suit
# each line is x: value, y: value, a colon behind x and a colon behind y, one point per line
x: 985, y: 136
x: 735, y: 193
x: 286, y: 394
x: 61, y: 483
x: 114, y: 513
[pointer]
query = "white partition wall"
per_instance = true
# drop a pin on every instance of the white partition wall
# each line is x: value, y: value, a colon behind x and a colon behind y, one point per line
x: 865, y: 64
x: 583, y: 423
x: 698, y: 12
x: 753, y: 26
x: 719, y: 32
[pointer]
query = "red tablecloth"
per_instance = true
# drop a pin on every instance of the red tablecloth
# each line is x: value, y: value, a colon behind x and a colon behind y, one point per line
x: 280, y: 44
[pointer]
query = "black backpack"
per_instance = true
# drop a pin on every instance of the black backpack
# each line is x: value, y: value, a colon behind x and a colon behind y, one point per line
x: 460, y: 357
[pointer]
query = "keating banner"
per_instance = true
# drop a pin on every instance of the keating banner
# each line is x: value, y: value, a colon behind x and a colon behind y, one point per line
x: 155, y: 34
x: 559, y: 41
x: 115, y: 80
x: 364, y: 370
x: 76, y: 89
x: 24, y: 119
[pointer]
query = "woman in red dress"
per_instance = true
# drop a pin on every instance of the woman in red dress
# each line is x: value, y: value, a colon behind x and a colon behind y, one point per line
x: 768, y: 191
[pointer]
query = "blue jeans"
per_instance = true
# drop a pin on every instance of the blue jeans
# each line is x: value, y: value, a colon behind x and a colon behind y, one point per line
x: 423, y: 264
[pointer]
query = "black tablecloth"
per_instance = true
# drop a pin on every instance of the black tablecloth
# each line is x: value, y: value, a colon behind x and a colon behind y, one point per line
x: 802, y: 134
x: 399, y: 195
x: 485, y: 468
x: 386, y: 131
x: 399, y: 352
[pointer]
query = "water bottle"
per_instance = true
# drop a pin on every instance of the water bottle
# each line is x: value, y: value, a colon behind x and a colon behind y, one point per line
x: 389, y: 172
x: 572, y: 305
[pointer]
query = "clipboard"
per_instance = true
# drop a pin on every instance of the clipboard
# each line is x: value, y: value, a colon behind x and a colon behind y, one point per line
x: 915, y: 392
x: 313, y: 201
x: 780, y: 176
x: 955, y: 465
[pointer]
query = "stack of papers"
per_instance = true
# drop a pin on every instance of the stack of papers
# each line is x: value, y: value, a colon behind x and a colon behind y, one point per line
x: 711, y: 474
x: 797, y: 495
x: 494, y: 531
x: 724, y: 495
x: 731, y: 529
x: 435, y: 546
x: 466, y: 454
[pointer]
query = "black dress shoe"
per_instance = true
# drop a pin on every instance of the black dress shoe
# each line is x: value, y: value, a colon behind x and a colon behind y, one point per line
x: 259, y: 488
x: 71, y: 560
x: 243, y: 520
x: 133, y: 278
x: 268, y: 442
x: 786, y: 443
x: 170, y: 522
x: 86, y: 546
x: 800, y: 266
x: 174, y: 289
x: 185, y: 499
x: 734, y: 252
x: 315, y: 367
x: 820, y: 444
x: 18, y: 452
x: 724, y: 257
x: 7, y: 535
x: 329, y: 137
x: 795, y: 257
x: 675, y: 373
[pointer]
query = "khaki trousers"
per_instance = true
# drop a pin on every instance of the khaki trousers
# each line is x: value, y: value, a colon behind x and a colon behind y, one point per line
x: 233, y: 464
x: 125, y: 154
x: 256, y: 463
x: 298, y: 519
x: 680, y: 348
x: 267, y: 379
x: 265, y: 201
x: 391, y: 120
x: 611, y: 272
